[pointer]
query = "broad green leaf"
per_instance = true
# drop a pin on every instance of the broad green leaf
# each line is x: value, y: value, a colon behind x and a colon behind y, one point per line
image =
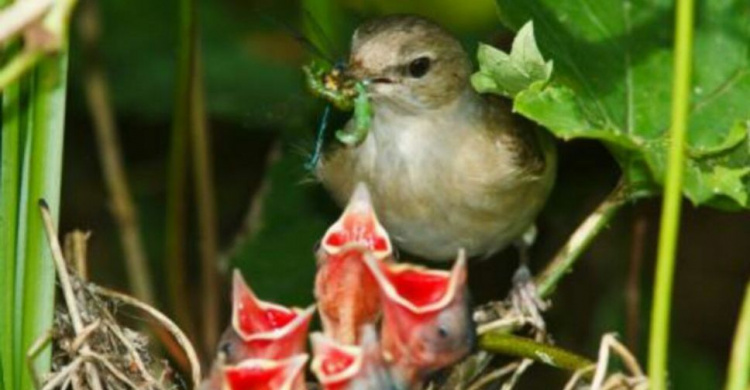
x: 508, y: 74
x: 612, y: 82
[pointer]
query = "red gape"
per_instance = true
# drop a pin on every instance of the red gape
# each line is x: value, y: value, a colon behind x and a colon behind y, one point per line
x: 347, y: 294
x: 264, y: 374
x: 347, y: 367
x: 426, y: 317
x: 262, y: 329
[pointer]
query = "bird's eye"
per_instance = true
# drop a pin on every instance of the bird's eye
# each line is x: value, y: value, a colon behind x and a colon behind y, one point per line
x: 419, y: 67
x: 442, y: 332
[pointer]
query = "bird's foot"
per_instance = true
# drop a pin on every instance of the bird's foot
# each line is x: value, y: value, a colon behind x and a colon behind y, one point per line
x: 525, y: 301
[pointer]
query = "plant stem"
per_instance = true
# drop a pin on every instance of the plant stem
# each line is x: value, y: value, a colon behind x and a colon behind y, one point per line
x: 122, y: 205
x: 738, y: 377
x: 175, y: 258
x: 10, y: 184
x: 670, y: 217
x: 512, y: 345
x: 206, y: 206
x: 580, y: 240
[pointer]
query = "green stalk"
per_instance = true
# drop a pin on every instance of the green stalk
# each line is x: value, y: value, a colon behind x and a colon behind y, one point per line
x: 738, y: 377
x: 45, y: 176
x: 175, y: 230
x: 512, y: 345
x: 670, y: 217
x: 580, y: 240
x: 10, y: 180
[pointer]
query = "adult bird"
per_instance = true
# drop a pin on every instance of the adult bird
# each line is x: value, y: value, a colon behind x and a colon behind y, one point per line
x: 447, y: 168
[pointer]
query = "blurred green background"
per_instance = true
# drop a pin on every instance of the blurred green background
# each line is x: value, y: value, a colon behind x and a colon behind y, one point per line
x: 262, y: 124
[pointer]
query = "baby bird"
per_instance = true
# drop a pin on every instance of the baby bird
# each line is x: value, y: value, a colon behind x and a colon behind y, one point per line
x: 447, y: 167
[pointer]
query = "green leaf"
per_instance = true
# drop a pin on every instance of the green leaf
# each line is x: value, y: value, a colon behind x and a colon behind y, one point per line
x: 612, y: 82
x: 508, y: 74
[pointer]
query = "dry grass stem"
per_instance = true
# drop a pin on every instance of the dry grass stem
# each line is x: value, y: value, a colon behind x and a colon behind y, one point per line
x: 91, y: 349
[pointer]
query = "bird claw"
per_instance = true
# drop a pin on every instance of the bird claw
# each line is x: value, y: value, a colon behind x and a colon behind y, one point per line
x: 525, y: 301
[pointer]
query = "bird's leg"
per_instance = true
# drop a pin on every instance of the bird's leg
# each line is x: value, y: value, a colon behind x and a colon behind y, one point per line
x: 523, y: 305
x: 524, y: 296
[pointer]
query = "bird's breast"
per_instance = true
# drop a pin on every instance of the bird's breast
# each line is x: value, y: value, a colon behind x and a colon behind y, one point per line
x: 440, y: 184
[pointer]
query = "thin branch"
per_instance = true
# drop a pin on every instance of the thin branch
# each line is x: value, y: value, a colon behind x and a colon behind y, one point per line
x: 61, y: 267
x: 122, y: 205
x: 580, y: 240
x: 75, y: 251
x: 179, y: 336
x: 511, y: 345
x: 493, y: 376
x: 66, y: 285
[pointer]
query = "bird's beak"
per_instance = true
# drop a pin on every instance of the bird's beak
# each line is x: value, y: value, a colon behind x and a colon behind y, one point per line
x: 356, y: 71
x: 267, y: 330
x: 416, y: 303
x: 266, y: 374
x: 358, y: 225
x: 416, y: 289
x: 334, y: 364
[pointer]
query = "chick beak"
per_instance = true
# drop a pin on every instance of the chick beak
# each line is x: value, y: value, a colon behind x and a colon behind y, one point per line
x: 334, y: 364
x: 264, y: 374
x: 358, y: 224
x: 414, y: 298
x: 267, y: 330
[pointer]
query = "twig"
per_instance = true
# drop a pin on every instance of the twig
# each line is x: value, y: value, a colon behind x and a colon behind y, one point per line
x: 580, y: 240
x: 180, y: 337
x: 105, y: 129
x: 110, y: 367
x: 132, y: 351
x: 21, y: 14
x: 511, y: 345
x: 61, y: 267
x: 577, y: 376
x: 520, y: 370
x: 206, y: 205
x: 75, y: 251
x: 65, y: 285
x: 85, y: 333
x: 38, y: 346
x: 494, y: 376
x: 61, y: 376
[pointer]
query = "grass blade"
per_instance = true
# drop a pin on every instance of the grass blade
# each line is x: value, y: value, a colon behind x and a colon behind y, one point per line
x: 44, y: 181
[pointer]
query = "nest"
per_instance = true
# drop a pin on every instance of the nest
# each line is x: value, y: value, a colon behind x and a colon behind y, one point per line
x: 91, y: 348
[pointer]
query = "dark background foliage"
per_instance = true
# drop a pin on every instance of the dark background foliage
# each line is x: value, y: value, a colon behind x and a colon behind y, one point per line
x: 262, y: 123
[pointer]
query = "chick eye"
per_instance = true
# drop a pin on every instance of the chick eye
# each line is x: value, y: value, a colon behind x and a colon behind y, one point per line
x: 442, y: 332
x: 419, y: 67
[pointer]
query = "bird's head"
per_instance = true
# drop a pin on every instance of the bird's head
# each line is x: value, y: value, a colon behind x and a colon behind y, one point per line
x: 409, y: 63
